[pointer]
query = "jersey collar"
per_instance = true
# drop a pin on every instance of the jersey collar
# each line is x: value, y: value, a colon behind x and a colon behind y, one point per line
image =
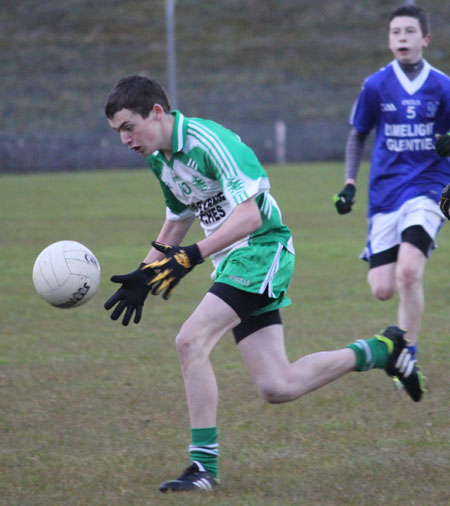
x: 179, y: 131
x: 411, y: 86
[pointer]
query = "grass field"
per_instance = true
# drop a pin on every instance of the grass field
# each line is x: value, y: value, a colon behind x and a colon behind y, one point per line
x: 93, y: 413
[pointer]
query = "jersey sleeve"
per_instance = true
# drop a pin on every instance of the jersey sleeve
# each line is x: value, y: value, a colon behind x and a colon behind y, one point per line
x: 364, y: 113
x: 233, y: 164
x: 442, y: 115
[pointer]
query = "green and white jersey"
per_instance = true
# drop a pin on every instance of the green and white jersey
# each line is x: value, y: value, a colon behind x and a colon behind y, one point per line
x: 210, y: 172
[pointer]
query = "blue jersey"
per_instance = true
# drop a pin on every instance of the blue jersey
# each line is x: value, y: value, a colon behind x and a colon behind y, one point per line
x: 407, y: 115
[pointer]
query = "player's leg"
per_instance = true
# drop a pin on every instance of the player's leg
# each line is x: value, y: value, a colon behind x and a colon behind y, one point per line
x: 383, y: 265
x: 222, y: 309
x: 199, y: 334
x: 278, y: 380
x: 382, y: 280
x: 381, y: 252
x: 419, y: 223
x: 403, y: 273
x: 409, y: 279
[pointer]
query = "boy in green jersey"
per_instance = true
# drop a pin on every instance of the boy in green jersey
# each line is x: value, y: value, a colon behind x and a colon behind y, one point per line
x: 206, y: 172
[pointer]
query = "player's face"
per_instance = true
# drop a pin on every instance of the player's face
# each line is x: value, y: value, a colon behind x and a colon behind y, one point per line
x: 406, y: 40
x: 143, y: 135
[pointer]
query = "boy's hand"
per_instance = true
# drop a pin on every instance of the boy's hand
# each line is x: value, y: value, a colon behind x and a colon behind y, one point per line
x: 443, y: 145
x: 445, y: 201
x: 131, y: 295
x: 179, y: 260
x: 345, y: 199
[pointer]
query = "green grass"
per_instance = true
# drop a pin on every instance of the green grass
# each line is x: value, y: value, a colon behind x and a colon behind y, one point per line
x: 93, y: 413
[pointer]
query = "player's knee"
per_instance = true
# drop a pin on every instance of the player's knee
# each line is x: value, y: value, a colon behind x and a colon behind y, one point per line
x: 273, y: 393
x: 382, y: 286
x: 381, y: 292
x: 408, y: 276
x: 188, y: 346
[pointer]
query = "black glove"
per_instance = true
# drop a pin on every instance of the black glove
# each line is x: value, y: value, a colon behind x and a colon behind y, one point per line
x: 443, y: 145
x: 445, y: 201
x: 179, y: 260
x: 344, y: 200
x: 131, y: 295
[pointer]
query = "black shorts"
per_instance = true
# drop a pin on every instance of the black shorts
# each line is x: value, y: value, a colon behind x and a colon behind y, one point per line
x: 415, y: 235
x: 244, y: 303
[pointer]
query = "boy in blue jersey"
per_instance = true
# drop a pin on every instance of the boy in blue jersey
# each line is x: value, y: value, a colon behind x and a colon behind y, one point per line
x: 207, y: 172
x: 408, y: 103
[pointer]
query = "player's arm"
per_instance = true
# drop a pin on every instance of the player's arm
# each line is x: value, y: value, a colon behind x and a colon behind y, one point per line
x: 245, y: 219
x: 180, y: 260
x: 363, y: 119
x: 172, y: 232
x: 354, y: 150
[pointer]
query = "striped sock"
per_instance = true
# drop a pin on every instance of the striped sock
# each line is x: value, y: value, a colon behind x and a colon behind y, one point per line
x: 370, y: 353
x: 205, y: 449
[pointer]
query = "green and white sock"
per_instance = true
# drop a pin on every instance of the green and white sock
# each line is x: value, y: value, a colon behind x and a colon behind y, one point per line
x: 371, y: 353
x: 205, y: 449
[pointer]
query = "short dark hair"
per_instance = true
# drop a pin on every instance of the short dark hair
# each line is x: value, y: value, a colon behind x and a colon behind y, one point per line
x: 412, y: 11
x: 137, y: 93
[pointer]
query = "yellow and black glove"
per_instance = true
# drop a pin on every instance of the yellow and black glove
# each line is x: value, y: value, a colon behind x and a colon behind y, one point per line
x: 131, y: 295
x: 178, y: 261
x: 444, y: 203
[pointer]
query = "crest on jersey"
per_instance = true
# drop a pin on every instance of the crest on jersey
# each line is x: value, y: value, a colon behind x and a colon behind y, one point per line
x: 432, y: 107
x: 199, y: 183
x: 235, y: 185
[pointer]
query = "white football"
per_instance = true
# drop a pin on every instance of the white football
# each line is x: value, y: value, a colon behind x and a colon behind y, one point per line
x: 66, y: 274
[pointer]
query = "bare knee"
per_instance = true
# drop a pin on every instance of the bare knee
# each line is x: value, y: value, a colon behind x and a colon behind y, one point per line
x: 382, y: 281
x: 189, y: 347
x: 274, y: 393
x: 382, y: 292
x: 408, y: 276
x: 380, y: 289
